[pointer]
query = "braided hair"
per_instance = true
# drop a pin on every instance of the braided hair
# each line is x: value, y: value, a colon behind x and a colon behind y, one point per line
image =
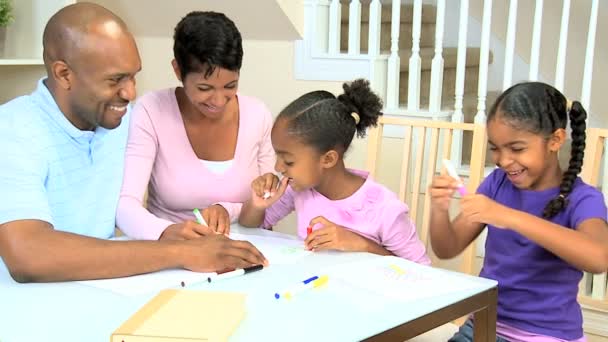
x: 321, y: 120
x: 541, y: 109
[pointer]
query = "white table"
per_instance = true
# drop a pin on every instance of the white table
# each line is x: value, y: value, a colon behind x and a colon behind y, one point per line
x: 74, y: 312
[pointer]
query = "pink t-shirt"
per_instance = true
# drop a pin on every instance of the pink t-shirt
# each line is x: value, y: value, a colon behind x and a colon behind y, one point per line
x: 372, y: 211
x: 159, y: 157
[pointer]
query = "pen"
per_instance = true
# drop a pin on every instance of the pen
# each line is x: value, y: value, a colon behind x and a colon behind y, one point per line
x: 449, y: 167
x: 199, y: 217
x: 234, y: 273
x: 310, y: 283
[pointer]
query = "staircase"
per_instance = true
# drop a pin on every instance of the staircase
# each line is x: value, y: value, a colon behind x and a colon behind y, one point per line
x: 427, y: 51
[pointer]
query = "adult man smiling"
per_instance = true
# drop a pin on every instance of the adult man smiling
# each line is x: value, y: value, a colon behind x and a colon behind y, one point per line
x: 62, y: 163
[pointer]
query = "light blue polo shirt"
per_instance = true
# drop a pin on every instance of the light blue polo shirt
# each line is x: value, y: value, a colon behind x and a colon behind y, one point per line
x: 52, y: 171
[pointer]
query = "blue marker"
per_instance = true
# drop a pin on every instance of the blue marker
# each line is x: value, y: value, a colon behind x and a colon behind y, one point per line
x: 309, y: 283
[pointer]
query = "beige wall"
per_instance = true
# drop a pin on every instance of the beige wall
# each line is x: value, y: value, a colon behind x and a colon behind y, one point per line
x: 577, y: 43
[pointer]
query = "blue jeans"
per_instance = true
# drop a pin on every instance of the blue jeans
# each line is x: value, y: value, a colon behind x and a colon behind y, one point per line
x: 465, y: 333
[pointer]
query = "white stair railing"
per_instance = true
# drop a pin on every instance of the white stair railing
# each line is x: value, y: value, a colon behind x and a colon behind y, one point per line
x: 535, y: 51
x: 560, y: 68
x: 461, y: 59
x: 392, y: 87
x: 354, y: 27
x: 375, y: 16
x: 335, y: 24
x: 510, y: 46
x: 414, y: 71
x: 484, y: 59
x: 437, y: 64
x: 588, y: 71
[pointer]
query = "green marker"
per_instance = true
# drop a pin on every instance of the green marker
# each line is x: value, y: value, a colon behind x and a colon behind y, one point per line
x: 199, y: 217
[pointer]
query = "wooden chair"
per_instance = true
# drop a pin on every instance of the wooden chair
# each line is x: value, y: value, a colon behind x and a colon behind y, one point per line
x: 593, y: 294
x: 425, y: 144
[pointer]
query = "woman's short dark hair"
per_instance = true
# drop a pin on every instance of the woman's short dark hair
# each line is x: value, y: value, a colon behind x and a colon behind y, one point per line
x: 205, y: 40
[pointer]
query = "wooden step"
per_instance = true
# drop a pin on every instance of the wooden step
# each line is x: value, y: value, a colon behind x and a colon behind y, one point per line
x: 429, y: 13
x: 427, y: 36
x: 450, y: 58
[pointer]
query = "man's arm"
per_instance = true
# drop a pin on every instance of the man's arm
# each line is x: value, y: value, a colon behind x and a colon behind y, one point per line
x: 34, y: 252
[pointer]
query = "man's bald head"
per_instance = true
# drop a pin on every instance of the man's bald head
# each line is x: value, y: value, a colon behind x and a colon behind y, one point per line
x: 68, y: 33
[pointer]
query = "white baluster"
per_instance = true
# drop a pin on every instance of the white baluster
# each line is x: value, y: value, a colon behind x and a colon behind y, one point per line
x: 510, y: 46
x: 413, y: 88
x: 484, y: 57
x: 335, y: 22
x: 560, y: 68
x: 354, y: 28
x: 456, y: 150
x: 392, y: 87
x: 588, y: 71
x: 535, y: 51
x: 437, y: 65
x: 375, y: 17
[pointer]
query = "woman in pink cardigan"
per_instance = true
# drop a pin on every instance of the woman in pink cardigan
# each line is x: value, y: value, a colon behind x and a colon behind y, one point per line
x: 195, y: 146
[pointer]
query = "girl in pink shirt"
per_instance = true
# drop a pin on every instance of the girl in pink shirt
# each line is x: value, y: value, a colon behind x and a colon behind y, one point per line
x: 337, y: 208
x: 196, y: 146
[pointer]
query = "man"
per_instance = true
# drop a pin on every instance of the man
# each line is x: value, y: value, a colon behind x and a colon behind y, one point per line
x: 62, y: 163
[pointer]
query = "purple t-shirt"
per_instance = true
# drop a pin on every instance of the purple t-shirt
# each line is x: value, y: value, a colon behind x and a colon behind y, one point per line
x: 536, y: 289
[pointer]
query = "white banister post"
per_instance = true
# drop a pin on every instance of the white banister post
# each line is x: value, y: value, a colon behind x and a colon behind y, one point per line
x: 375, y: 17
x: 335, y: 22
x: 588, y: 71
x: 536, y: 31
x: 437, y: 64
x: 413, y: 87
x: 560, y: 68
x: 510, y: 46
x: 456, y: 153
x: 392, y: 87
x: 354, y: 28
x: 484, y: 57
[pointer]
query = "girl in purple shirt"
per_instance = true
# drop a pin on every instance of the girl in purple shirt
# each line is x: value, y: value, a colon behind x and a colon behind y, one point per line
x: 545, y: 226
x: 337, y: 208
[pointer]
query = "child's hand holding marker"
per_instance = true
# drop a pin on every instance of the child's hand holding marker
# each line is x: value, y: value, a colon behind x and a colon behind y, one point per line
x: 267, y: 189
x: 442, y: 188
x: 451, y: 170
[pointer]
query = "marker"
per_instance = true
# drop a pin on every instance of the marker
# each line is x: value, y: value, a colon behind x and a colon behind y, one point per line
x: 308, y: 230
x: 307, y: 284
x: 449, y: 167
x: 199, y: 217
x: 234, y: 273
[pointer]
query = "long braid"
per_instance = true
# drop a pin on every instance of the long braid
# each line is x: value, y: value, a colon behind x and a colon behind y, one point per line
x: 577, y: 115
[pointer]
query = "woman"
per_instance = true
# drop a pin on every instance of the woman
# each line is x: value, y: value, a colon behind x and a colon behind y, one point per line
x: 195, y: 146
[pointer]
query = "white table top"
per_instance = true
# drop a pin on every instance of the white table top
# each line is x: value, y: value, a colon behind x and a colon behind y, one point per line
x: 71, y: 311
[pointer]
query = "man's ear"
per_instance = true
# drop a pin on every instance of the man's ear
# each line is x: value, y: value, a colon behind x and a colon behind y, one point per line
x: 557, y: 139
x: 62, y: 74
x: 176, y: 70
x: 329, y: 159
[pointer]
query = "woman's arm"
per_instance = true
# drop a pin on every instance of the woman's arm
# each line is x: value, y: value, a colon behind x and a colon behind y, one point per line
x: 142, y: 145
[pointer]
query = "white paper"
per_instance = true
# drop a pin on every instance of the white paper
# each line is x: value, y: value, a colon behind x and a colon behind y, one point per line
x: 276, y: 250
x: 150, y: 282
x: 398, y: 279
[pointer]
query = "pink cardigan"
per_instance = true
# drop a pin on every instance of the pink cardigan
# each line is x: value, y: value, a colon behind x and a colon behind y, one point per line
x: 159, y: 157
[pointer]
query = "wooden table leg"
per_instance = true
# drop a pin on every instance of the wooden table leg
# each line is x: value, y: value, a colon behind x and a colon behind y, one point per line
x: 485, y: 320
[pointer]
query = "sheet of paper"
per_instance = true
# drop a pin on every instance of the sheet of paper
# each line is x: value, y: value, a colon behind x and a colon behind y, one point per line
x: 149, y: 283
x: 398, y: 279
x: 276, y: 250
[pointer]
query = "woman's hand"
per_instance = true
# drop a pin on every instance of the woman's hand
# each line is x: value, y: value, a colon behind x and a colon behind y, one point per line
x: 266, y: 190
x: 217, y: 219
